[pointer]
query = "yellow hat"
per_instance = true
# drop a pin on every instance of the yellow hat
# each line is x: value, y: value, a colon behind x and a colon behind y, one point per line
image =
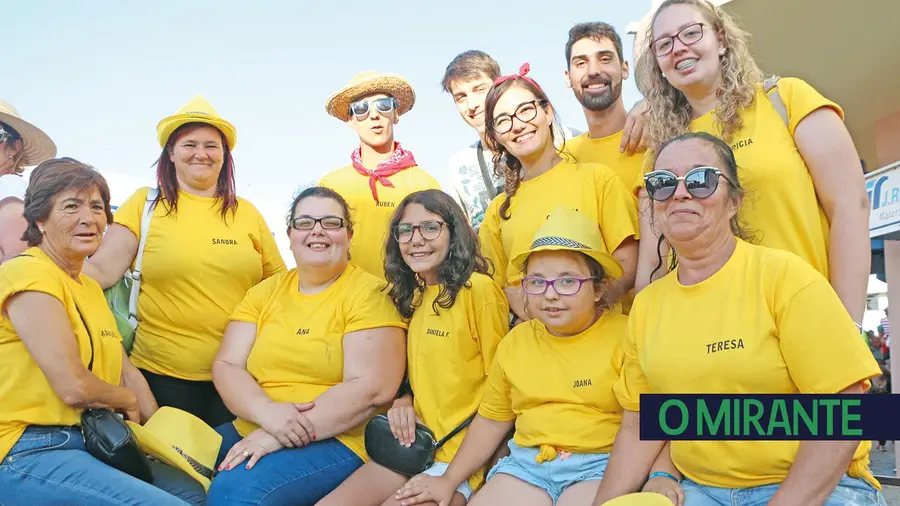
x: 182, y: 441
x: 370, y: 83
x: 197, y: 110
x: 569, y: 230
x: 640, y: 499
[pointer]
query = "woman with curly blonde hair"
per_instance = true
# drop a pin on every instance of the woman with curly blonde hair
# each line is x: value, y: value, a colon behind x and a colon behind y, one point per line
x: 799, y: 164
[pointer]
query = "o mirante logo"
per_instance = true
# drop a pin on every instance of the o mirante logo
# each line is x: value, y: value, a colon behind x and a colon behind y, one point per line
x: 769, y: 417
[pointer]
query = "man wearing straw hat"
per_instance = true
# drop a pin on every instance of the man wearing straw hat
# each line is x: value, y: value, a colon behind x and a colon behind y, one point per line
x: 21, y: 145
x: 381, y: 173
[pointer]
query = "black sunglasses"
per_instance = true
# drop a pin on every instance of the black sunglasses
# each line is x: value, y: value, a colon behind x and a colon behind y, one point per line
x: 360, y: 108
x: 700, y: 182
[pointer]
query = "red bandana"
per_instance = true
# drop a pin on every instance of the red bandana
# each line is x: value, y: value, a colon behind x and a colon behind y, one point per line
x: 399, y: 160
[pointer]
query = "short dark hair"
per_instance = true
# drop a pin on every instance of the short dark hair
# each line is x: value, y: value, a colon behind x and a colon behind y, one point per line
x: 470, y: 65
x: 325, y: 193
x: 596, y: 31
x: 49, y: 179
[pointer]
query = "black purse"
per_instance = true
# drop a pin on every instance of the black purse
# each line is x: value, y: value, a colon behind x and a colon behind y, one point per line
x: 384, y: 449
x: 109, y: 439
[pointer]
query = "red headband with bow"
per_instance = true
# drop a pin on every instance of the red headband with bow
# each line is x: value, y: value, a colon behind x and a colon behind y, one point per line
x: 522, y: 74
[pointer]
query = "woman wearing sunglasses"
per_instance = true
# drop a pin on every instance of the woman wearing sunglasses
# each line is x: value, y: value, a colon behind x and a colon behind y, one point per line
x: 552, y: 378
x: 521, y: 131
x: 381, y: 172
x: 732, y: 318
x: 457, y: 315
x: 21, y: 145
x: 795, y: 153
x: 308, y: 357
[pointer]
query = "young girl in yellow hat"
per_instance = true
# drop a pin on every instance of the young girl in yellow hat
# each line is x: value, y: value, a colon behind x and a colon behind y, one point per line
x: 552, y: 378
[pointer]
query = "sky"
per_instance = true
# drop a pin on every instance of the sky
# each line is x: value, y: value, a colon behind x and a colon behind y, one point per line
x: 98, y: 75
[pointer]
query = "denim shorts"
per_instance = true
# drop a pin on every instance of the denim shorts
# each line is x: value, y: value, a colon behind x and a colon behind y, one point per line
x: 439, y: 468
x: 849, y: 491
x: 555, y: 476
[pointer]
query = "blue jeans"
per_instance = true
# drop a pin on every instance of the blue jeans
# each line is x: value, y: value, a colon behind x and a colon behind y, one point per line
x: 49, y: 465
x: 289, y: 477
x: 849, y: 491
x: 555, y: 476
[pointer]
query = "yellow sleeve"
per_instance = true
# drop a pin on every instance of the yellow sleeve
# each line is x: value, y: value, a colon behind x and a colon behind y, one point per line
x: 800, y: 99
x: 491, y: 242
x: 250, y: 308
x: 618, y: 218
x: 25, y: 274
x: 639, y: 183
x: 371, y: 308
x: 491, y: 324
x: 496, y: 404
x: 632, y: 382
x: 821, y: 346
x: 273, y: 263
x: 131, y: 211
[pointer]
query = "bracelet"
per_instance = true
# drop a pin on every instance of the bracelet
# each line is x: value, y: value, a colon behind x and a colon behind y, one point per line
x: 663, y: 474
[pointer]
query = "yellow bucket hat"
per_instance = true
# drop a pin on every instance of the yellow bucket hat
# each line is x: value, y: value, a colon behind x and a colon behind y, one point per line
x: 640, y: 499
x: 569, y: 230
x: 197, y: 110
x: 370, y: 83
x: 181, y: 440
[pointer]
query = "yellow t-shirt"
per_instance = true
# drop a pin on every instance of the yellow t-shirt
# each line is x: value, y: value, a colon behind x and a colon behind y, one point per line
x: 559, y: 390
x: 605, y: 150
x: 196, y: 269
x: 449, y: 354
x: 781, y: 209
x: 590, y: 188
x: 371, y: 219
x: 28, y: 398
x: 766, y: 322
x: 299, y: 349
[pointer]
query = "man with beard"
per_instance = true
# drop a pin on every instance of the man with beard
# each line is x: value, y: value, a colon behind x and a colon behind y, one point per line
x: 381, y: 173
x: 595, y: 73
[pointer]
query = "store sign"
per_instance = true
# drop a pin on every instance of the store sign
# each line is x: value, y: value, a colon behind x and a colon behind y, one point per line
x: 883, y: 187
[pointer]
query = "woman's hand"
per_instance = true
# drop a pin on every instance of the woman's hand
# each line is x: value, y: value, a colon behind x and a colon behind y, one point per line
x: 633, y: 140
x: 286, y: 422
x: 667, y: 487
x: 424, y: 488
x: 132, y: 409
x: 255, y: 446
x: 402, y: 419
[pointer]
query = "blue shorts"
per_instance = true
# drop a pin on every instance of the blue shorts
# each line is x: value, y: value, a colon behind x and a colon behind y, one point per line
x: 555, y: 476
x: 849, y: 491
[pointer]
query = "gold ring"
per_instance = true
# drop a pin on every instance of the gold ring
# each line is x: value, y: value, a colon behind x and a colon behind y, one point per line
x: 246, y: 453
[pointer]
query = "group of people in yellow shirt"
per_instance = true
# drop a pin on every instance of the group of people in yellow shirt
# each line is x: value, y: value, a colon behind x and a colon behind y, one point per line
x: 579, y: 291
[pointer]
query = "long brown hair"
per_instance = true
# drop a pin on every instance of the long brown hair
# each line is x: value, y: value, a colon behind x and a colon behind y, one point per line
x: 506, y: 165
x: 168, y: 183
x: 669, y: 113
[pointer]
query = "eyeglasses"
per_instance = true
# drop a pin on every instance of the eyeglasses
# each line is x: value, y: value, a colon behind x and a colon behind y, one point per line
x: 360, y: 108
x: 688, y: 35
x: 563, y: 286
x: 429, y: 230
x: 700, y: 183
x: 526, y: 111
x: 309, y: 223
x: 6, y: 135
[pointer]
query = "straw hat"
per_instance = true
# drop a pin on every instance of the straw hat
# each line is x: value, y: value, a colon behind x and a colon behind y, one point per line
x: 370, y: 83
x: 640, y: 499
x: 37, y: 145
x: 182, y: 441
x: 197, y: 110
x: 568, y: 230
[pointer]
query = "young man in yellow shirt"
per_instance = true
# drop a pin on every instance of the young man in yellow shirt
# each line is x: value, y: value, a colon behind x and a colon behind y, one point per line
x: 381, y: 173
x: 595, y: 73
